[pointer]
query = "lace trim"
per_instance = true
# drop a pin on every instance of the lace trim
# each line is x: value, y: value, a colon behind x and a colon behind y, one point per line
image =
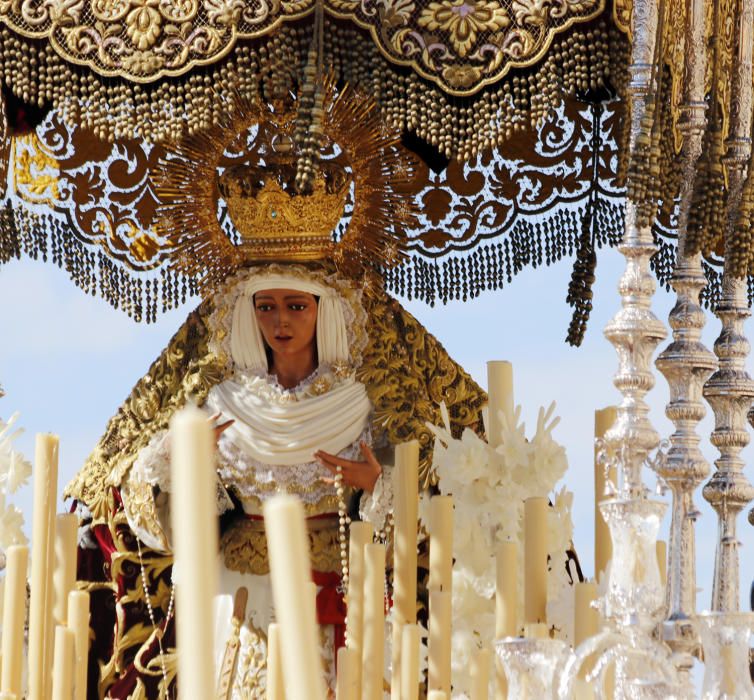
x: 319, y: 382
x: 374, y: 507
x: 221, y: 320
x: 152, y: 466
x: 252, y: 479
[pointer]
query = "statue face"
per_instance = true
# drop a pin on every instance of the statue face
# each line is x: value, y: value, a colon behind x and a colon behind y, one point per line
x: 287, y: 319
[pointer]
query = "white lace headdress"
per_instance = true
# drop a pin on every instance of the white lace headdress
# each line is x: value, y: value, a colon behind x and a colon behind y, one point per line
x: 340, y: 316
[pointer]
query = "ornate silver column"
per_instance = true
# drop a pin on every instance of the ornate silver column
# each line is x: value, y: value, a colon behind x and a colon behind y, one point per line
x: 635, y: 331
x: 686, y: 364
x: 730, y: 390
x: 633, y: 602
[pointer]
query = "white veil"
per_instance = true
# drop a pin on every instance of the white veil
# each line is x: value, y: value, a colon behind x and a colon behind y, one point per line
x: 246, y: 344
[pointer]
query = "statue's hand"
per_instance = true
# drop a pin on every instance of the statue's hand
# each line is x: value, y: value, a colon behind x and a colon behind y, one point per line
x: 360, y: 475
x: 219, y: 428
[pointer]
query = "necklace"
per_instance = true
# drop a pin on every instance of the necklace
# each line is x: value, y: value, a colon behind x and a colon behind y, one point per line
x: 150, y: 610
x: 343, y: 522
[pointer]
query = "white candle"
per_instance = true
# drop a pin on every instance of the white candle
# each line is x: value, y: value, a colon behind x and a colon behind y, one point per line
x: 14, y: 616
x: 406, y: 507
x: 603, y: 549
x: 535, y: 559
x: 506, y: 604
x: 78, y: 622
x: 406, y: 513
x: 275, y: 683
x: 440, y: 637
x: 586, y: 624
x: 373, y: 651
x: 500, y: 398
x: 64, y: 574
x: 409, y: 680
x: 440, y: 543
x: 536, y: 630
x: 348, y: 662
x: 661, y: 547
x: 62, y: 670
x: 506, y: 590
x: 586, y: 618
x: 194, y: 526
x: 40, y: 607
x: 480, y: 674
x: 437, y: 695
x: 290, y: 571
x: 361, y: 534
x: 730, y: 671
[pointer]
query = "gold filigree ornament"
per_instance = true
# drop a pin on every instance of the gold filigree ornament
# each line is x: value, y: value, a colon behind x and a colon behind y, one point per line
x: 355, y: 215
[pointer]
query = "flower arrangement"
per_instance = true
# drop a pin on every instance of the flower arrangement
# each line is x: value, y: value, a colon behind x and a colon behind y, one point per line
x: 489, y: 487
x: 15, y: 471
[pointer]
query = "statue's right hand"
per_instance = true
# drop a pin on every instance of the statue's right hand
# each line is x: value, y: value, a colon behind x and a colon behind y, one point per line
x: 220, y: 428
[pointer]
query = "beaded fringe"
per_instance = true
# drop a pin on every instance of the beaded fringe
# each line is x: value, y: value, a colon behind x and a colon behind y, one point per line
x: 43, y: 237
x: 584, y: 59
x: 489, y: 267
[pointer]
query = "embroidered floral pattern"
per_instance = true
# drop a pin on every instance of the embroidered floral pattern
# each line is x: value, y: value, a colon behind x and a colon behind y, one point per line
x: 143, y: 23
x: 462, y: 45
x: 462, y: 20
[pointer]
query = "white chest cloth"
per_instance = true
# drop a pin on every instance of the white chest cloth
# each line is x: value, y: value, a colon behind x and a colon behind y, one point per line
x: 276, y: 427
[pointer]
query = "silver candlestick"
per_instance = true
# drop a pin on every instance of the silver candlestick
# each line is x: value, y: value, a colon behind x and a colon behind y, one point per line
x: 686, y: 364
x: 730, y: 390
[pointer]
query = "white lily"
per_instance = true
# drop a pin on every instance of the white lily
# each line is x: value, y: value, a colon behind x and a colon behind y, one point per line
x: 15, y: 470
x: 489, y: 488
x: 11, y: 527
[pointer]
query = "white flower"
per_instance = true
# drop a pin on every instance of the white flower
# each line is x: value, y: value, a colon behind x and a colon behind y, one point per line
x: 489, y: 488
x: 14, y: 469
x: 11, y: 527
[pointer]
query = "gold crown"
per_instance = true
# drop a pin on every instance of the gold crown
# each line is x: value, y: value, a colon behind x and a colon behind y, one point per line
x: 274, y: 220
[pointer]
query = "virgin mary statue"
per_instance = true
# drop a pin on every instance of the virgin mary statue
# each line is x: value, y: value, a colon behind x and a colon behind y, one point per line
x: 310, y: 374
x: 310, y: 380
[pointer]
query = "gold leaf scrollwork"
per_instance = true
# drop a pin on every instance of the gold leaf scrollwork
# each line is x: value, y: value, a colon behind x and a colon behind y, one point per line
x: 244, y: 548
x: 35, y: 172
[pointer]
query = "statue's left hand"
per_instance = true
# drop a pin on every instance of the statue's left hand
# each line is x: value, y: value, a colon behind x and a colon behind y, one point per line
x: 357, y: 474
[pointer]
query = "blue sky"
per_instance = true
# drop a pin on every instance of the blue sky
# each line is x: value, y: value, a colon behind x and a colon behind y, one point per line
x: 68, y: 360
